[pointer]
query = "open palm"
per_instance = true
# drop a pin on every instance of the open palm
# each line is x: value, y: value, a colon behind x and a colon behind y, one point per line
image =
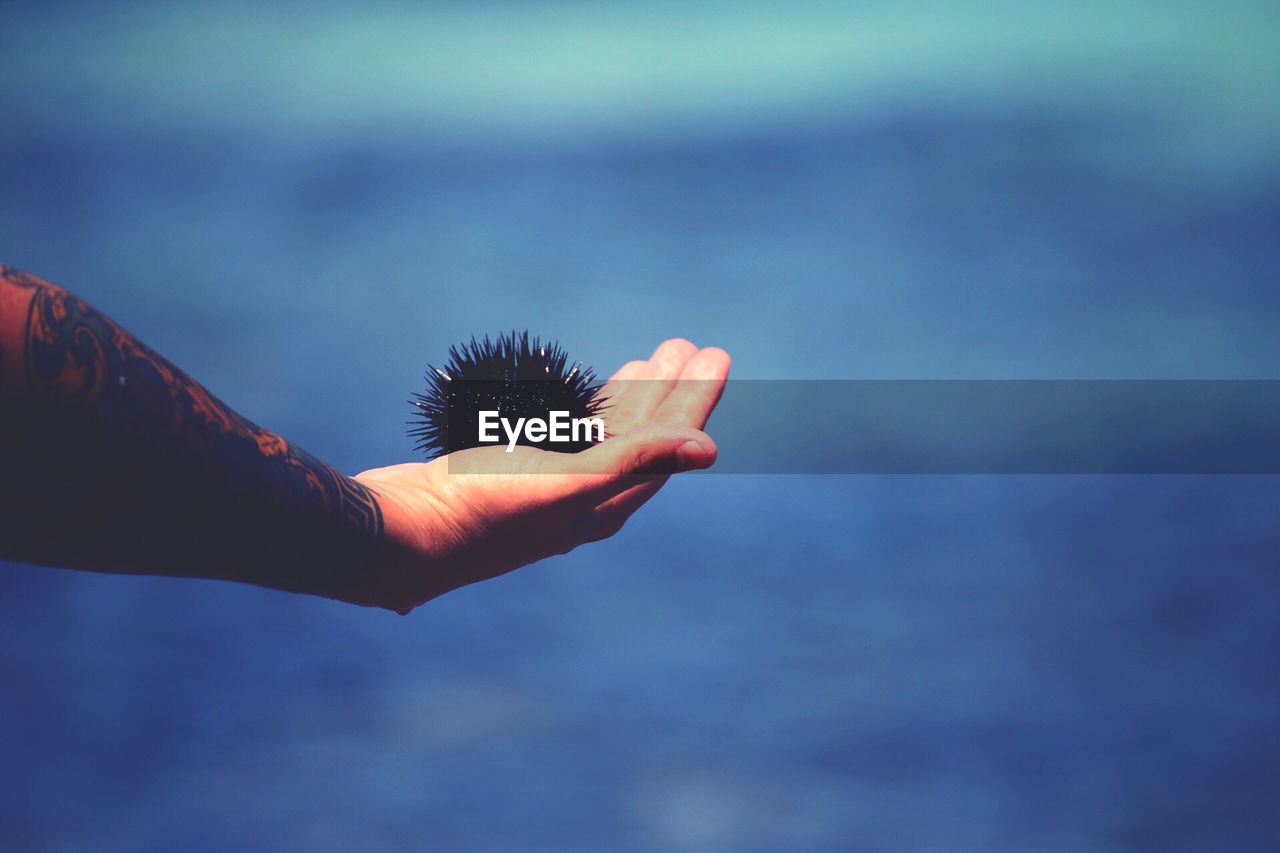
x: 479, y: 513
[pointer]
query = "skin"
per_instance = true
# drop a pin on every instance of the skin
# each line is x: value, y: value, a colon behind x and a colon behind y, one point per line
x: 118, y: 461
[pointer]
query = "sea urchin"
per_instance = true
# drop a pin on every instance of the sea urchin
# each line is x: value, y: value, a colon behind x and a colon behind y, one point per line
x: 514, y: 375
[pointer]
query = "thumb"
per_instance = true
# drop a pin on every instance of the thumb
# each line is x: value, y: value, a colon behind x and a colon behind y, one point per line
x: 619, y: 462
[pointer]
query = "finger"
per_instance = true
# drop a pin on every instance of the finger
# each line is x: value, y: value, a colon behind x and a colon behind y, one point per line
x: 636, y: 369
x: 608, y: 518
x: 670, y: 358
x: 645, y: 393
x: 690, y: 403
x: 648, y: 453
x: 603, y: 524
x: 697, y: 391
x: 619, y: 416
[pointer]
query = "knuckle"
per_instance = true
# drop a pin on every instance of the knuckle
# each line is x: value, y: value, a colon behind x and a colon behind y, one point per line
x: 641, y: 459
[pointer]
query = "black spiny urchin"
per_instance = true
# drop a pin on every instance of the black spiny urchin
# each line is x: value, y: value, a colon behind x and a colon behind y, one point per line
x: 514, y: 375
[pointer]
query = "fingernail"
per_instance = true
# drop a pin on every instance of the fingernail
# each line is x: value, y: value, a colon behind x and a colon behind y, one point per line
x: 691, y: 455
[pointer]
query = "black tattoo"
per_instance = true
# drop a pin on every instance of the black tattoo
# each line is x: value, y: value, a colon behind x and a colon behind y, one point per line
x: 142, y: 451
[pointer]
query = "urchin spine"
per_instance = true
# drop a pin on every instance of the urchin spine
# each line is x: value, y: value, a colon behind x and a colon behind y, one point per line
x: 513, y: 375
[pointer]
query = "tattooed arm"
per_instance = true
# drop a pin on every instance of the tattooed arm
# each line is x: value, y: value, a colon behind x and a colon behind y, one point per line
x: 113, y: 459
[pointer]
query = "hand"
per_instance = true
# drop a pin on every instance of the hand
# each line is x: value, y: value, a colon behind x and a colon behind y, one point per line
x: 446, y: 528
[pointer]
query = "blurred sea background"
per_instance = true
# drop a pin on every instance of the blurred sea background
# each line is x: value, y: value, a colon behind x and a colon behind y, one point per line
x: 304, y: 204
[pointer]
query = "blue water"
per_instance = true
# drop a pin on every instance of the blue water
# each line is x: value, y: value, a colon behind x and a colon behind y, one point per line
x: 754, y: 663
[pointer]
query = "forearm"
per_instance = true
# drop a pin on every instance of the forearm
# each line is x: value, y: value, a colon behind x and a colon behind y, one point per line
x: 115, y: 460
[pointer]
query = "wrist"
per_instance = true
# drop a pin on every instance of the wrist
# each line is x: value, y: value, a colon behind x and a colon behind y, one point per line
x: 402, y: 573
